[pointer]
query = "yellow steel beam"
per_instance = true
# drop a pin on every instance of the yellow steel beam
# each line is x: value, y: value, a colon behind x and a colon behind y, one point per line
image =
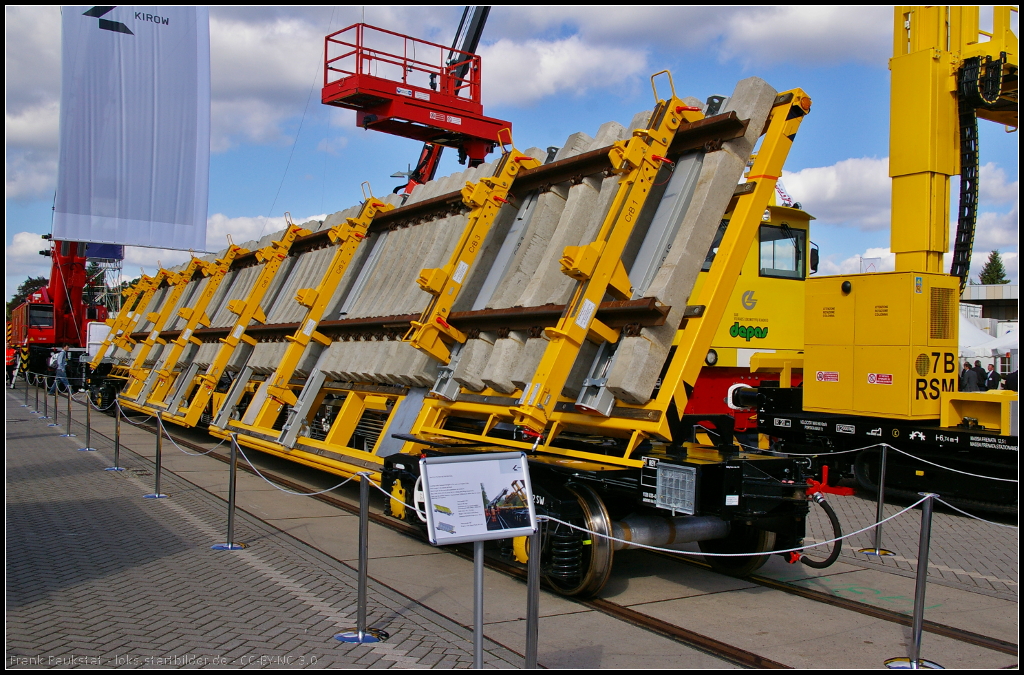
x: 137, y: 298
x: 433, y: 334
x: 247, y: 310
x: 346, y: 236
x: 695, y: 339
x: 194, y: 316
x: 178, y: 283
x: 597, y: 266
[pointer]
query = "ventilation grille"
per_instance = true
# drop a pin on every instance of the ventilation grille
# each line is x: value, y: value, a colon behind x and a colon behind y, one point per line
x: 942, y: 313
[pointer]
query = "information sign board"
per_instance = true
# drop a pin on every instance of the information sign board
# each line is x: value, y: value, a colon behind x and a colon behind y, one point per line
x: 478, y: 497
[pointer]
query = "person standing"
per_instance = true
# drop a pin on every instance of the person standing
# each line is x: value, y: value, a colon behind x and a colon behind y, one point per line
x: 968, y: 378
x: 12, y: 365
x: 980, y: 372
x: 992, y: 379
x: 60, y: 363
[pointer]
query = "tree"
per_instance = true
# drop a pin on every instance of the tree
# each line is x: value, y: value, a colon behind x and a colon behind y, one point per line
x: 993, y: 272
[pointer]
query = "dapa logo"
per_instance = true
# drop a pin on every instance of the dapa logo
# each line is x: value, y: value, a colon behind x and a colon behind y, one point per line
x: 748, y: 332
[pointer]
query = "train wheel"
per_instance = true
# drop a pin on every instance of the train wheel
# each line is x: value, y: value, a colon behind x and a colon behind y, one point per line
x: 742, y: 539
x: 580, y: 563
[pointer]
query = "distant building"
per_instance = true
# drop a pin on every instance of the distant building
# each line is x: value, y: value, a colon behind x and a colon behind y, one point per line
x: 997, y: 301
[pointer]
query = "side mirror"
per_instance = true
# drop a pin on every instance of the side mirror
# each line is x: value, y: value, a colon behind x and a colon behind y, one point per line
x: 814, y: 258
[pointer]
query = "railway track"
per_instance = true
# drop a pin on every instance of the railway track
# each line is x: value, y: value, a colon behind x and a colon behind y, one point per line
x: 728, y: 652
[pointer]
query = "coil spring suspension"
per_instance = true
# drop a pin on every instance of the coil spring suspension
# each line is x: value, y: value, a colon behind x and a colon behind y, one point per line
x: 566, y: 555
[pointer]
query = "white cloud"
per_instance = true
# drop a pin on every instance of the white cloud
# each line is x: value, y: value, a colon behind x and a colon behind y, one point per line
x: 808, y: 34
x: 871, y: 260
x: 853, y: 192
x: 993, y: 187
x: 543, y: 68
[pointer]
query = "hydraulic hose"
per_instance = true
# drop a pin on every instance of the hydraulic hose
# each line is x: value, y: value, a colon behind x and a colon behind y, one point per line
x: 837, y: 531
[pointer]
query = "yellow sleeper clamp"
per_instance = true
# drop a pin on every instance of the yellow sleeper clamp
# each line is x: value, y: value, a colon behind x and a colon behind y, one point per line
x: 433, y: 334
x: 597, y: 267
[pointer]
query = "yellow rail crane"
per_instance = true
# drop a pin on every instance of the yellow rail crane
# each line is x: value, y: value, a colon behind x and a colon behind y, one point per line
x: 881, y: 360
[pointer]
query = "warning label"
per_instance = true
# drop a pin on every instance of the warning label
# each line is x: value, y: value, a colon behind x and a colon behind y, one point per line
x: 826, y: 376
x: 879, y: 378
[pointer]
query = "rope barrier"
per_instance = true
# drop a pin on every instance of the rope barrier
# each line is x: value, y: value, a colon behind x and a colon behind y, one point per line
x: 290, y: 492
x: 970, y: 515
x: 190, y: 454
x: 730, y: 555
x: 677, y: 551
x: 902, y: 452
x: 127, y: 419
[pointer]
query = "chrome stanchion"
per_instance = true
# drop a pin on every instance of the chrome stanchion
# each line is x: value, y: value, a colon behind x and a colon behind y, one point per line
x: 362, y: 634
x: 68, y: 434
x: 915, y: 661
x: 56, y: 415
x: 117, y: 438
x: 533, y: 600
x: 159, y: 448
x: 230, y: 545
x: 36, y: 411
x: 25, y: 404
x: 88, y: 425
x: 478, y: 605
x: 877, y: 549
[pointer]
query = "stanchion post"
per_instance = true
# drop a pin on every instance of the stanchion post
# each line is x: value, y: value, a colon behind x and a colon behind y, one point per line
x: 478, y: 605
x: 915, y: 661
x: 69, y: 434
x: 36, y: 411
x: 879, y: 513
x: 230, y: 545
x: 159, y: 451
x: 46, y: 406
x: 56, y: 406
x: 117, y: 438
x: 88, y: 424
x: 362, y: 633
x: 533, y: 600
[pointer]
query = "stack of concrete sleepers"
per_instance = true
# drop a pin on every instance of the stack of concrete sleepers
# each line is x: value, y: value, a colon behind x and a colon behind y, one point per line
x: 385, y: 285
x: 573, y: 217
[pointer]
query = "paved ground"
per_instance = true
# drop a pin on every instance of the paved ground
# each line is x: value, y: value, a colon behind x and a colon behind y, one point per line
x: 98, y: 576
x: 776, y: 625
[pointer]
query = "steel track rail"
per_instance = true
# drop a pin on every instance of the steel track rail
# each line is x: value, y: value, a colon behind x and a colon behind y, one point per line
x: 707, y: 644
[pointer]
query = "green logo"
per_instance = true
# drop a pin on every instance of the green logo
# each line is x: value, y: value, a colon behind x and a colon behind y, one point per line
x: 747, y: 332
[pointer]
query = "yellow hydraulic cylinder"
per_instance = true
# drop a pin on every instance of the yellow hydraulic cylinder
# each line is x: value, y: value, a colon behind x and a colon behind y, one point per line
x: 178, y: 282
x: 136, y: 301
x: 696, y: 337
x: 347, y: 236
x: 247, y: 310
x: 194, y: 316
x: 433, y: 334
x: 597, y: 266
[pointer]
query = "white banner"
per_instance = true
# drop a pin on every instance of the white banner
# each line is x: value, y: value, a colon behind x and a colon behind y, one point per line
x: 134, y: 126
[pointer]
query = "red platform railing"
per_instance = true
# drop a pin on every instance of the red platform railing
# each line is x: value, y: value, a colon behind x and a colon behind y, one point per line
x: 362, y: 49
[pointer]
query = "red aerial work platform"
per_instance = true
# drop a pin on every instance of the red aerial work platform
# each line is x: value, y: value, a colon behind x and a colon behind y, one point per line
x: 408, y: 87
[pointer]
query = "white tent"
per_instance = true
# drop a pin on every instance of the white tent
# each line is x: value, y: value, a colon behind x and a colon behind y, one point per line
x: 971, y: 337
x: 1000, y: 345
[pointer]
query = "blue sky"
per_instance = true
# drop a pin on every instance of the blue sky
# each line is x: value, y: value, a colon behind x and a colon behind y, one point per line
x: 551, y: 71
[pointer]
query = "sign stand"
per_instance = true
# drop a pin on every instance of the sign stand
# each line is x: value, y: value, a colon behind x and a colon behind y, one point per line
x: 478, y: 498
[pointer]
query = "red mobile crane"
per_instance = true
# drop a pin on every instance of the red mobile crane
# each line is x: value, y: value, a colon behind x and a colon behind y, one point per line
x: 56, y: 314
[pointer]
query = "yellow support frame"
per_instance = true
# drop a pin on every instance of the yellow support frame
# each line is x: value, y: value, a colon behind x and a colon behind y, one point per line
x: 137, y: 299
x: 432, y: 334
x: 635, y: 423
x: 247, y: 310
x: 346, y: 236
x: 179, y: 282
x: 195, y: 316
x: 597, y: 267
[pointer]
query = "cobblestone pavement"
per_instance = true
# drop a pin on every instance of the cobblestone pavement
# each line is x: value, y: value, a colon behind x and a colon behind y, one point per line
x: 964, y: 553
x: 98, y: 576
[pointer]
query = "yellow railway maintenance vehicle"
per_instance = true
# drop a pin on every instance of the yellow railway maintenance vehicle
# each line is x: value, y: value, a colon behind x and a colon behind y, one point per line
x: 881, y: 349
x: 549, y: 302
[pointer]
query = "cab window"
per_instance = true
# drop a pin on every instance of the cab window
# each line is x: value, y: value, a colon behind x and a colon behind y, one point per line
x: 782, y: 252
